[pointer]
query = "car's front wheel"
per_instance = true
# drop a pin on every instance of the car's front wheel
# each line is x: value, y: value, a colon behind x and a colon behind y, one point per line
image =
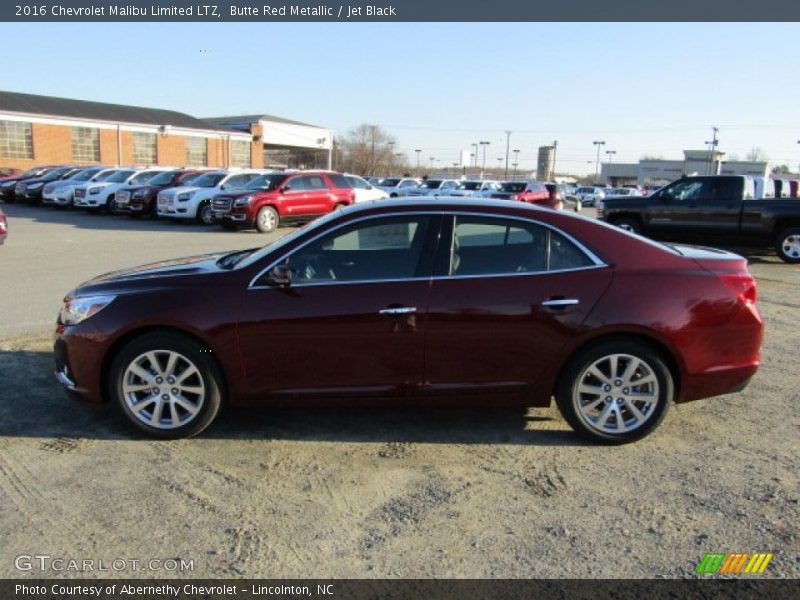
x: 787, y: 245
x: 628, y: 224
x: 205, y: 214
x: 267, y: 220
x: 166, y: 384
x: 615, y: 392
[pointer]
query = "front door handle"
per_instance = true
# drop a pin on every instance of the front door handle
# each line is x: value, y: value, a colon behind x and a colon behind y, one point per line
x: 560, y: 302
x: 398, y: 310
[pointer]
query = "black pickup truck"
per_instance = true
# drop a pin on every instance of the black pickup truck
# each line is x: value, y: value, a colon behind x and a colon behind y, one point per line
x: 711, y: 209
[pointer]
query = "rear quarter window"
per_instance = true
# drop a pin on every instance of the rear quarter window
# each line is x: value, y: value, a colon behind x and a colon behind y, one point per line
x: 340, y: 181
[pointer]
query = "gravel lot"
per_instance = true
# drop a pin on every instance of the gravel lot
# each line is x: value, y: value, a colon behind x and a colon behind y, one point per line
x: 375, y: 493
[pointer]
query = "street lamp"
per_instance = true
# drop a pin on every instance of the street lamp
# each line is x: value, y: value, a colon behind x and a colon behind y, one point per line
x: 483, y: 168
x: 597, y: 143
x: 418, y: 150
x: 516, y: 163
x: 610, y: 154
x: 475, y: 154
x: 508, y: 142
x: 431, y: 158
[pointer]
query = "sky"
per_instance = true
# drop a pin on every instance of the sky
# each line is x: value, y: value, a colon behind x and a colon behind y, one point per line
x: 643, y: 88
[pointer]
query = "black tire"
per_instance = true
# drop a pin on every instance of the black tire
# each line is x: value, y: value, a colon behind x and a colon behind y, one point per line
x: 628, y: 224
x: 267, y: 219
x: 652, y: 367
x: 205, y: 214
x: 111, y: 206
x: 787, y: 245
x: 208, y: 378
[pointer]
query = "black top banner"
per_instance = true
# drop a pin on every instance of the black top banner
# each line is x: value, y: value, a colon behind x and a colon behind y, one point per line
x: 389, y: 11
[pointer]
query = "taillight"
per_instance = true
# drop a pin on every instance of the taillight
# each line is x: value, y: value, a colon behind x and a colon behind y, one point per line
x: 743, y: 285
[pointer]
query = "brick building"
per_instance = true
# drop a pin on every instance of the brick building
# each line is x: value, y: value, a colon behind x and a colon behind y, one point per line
x: 37, y: 130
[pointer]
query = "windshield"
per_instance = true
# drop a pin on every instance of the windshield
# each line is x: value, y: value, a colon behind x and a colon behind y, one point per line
x: 266, y: 183
x: 120, y: 176
x: 390, y: 182
x: 470, y: 185
x: 84, y: 175
x: 585, y: 190
x: 142, y: 178
x: 208, y: 180
x: 163, y: 178
x: 55, y: 174
x: 431, y: 184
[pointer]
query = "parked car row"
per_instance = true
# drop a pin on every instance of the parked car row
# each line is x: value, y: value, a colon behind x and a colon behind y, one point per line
x: 247, y: 197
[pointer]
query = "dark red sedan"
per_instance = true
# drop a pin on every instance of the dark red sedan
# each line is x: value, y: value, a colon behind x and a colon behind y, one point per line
x: 442, y: 302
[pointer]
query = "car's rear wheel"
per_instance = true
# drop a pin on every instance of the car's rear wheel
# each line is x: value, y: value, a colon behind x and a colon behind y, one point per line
x: 267, y: 220
x: 787, y: 245
x: 205, y: 214
x: 628, y: 224
x: 615, y: 392
x: 166, y: 384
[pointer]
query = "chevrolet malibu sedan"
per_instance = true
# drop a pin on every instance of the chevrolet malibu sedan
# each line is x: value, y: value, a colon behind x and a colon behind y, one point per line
x: 436, y: 302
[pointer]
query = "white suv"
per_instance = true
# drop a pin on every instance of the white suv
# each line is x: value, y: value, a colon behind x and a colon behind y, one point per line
x: 194, y: 201
x: 99, y: 195
x: 60, y: 193
x: 479, y: 188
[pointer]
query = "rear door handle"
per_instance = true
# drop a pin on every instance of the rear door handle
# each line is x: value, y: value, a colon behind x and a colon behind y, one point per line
x: 398, y: 310
x: 560, y: 302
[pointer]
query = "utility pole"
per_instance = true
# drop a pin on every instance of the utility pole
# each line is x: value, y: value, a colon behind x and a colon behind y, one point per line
x: 418, y: 150
x: 712, y: 146
x: 475, y: 155
x: 555, y: 147
x: 610, y: 154
x: 372, y: 160
x: 597, y: 143
x: 516, y: 163
x: 391, y: 157
x: 508, y: 145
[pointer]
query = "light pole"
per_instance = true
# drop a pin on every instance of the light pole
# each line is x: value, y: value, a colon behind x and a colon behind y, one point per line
x: 610, y: 154
x: 475, y: 154
x: 500, y: 165
x: 418, y: 150
x: 431, y: 158
x: 555, y: 147
x: 516, y: 163
x: 798, y: 165
x: 597, y: 143
x: 508, y: 142
x: 483, y: 168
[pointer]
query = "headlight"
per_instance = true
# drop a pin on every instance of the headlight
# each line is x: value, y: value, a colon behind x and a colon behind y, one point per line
x: 95, y: 190
x: 242, y: 200
x: 35, y: 186
x: 79, y: 309
x: 184, y: 197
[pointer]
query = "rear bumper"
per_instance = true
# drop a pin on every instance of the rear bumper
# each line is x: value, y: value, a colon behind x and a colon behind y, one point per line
x: 726, y: 380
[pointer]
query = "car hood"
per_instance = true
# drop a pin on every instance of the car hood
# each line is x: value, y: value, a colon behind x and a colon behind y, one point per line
x: 150, y: 275
x: 185, y: 188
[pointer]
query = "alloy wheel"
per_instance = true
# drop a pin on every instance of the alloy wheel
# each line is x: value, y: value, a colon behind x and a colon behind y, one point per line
x: 791, y: 245
x: 163, y: 389
x: 616, y: 394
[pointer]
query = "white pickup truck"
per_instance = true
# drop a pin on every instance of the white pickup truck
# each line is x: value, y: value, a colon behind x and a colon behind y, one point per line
x: 194, y: 201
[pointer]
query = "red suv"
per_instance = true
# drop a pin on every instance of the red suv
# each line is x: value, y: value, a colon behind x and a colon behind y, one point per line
x: 537, y: 193
x: 277, y: 198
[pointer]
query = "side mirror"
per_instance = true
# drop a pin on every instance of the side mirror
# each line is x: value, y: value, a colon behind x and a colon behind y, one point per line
x: 280, y: 276
x: 286, y: 188
x: 222, y: 187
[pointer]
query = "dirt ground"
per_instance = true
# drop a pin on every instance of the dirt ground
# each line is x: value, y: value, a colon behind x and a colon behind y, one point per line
x: 390, y: 493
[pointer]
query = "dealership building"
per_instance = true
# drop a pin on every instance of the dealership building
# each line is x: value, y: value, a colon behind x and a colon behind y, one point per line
x: 38, y: 130
x: 695, y: 162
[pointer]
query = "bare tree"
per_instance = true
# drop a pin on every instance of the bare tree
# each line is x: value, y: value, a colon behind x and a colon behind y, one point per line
x: 756, y: 154
x: 369, y: 150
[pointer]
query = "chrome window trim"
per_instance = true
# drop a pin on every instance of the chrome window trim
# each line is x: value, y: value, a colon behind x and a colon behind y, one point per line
x: 598, y: 264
